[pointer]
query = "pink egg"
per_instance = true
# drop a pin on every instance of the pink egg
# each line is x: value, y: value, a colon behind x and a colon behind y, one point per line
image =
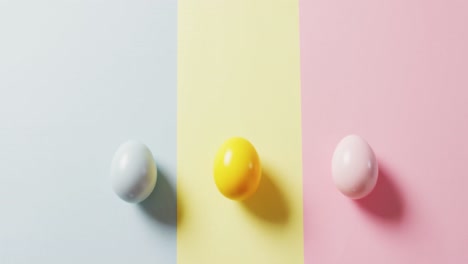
x: 354, y: 167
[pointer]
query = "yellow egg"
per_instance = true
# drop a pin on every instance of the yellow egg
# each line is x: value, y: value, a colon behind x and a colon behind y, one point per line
x: 237, y: 169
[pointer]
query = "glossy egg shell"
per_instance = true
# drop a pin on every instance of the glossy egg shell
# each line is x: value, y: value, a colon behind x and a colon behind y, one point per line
x: 133, y: 172
x: 354, y: 167
x: 237, y: 169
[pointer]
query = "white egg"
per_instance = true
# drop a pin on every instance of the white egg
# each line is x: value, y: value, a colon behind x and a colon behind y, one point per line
x: 133, y: 172
x: 354, y: 167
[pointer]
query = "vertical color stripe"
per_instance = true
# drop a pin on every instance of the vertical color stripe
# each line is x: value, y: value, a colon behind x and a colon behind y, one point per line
x: 238, y: 75
x: 394, y: 72
x: 77, y: 79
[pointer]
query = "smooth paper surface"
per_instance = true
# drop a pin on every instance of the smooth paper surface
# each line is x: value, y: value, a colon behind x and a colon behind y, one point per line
x: 77, y: 79
x: 394, y: 72
x: 238, y: 75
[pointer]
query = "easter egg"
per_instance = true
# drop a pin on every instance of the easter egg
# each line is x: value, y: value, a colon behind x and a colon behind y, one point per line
x: 354, y: 167
x: 237, y: 169
x: 133, y: 172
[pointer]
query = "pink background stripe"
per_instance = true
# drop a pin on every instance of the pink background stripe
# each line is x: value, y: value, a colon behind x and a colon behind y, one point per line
x: 396, y: 73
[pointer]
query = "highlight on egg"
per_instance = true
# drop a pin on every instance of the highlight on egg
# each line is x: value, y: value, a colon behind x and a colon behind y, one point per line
x: 133, y: 172
x: 354, y: 167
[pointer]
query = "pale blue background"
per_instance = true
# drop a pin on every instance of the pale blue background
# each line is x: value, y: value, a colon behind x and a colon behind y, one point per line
x: 77, y: 78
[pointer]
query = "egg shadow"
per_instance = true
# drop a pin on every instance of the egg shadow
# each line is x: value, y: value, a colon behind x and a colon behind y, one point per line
x: 268, y: 203
x: 385, y: 202
x: 161, y: 204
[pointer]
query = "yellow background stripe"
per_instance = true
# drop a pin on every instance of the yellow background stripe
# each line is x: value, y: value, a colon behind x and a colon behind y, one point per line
x: 239, y: 75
